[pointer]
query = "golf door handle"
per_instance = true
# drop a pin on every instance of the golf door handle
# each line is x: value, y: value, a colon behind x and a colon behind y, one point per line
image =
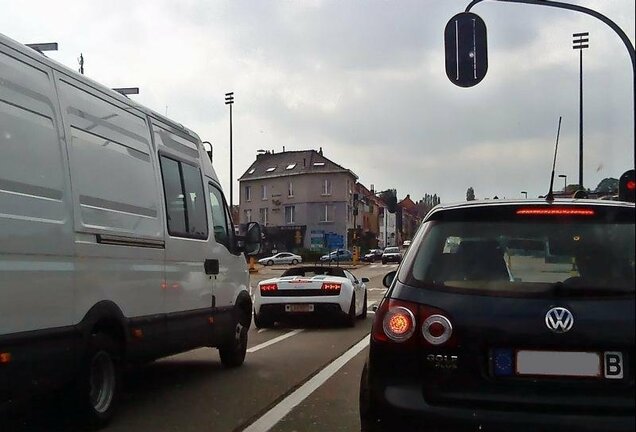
x: 211, y: 266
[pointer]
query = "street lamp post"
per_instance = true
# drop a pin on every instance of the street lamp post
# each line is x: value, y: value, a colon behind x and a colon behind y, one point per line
x: 580, y: 42
x: 565, y: 182
x: 525, y: 194
x: 229, y: 100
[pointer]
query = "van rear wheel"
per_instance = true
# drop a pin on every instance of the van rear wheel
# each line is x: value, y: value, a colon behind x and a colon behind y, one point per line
x: 99, y: 382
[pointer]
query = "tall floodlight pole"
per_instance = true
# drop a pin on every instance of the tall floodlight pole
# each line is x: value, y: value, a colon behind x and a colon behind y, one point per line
x: 580, y: 42
x: 229, y: 100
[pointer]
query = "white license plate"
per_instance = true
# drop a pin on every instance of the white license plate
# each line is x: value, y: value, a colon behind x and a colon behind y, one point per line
x: 568, y: 364
x: 299, y: 308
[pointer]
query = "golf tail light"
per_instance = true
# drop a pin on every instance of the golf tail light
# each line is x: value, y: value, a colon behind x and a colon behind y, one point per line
x: 394, y: 321
x: 437, y: 328
x: 266, y: 288
x: 331, y: 287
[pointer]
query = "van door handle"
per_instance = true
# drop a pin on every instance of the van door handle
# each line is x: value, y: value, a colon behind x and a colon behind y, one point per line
x: 211, y: 266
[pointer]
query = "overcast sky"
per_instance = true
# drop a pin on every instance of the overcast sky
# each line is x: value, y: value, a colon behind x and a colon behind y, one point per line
x: 365, y: 81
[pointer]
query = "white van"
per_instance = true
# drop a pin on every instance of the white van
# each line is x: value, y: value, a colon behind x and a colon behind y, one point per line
x: 116, y: 242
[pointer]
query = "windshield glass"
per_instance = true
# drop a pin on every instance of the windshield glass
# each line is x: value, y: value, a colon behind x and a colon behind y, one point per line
x: 526, y: 257
x: 391, y: 250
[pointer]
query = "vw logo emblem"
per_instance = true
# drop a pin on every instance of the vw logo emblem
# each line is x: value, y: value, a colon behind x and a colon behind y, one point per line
x: 559, y: 320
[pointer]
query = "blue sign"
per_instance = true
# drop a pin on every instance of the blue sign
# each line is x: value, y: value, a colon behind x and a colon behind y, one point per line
x: 334, y: 241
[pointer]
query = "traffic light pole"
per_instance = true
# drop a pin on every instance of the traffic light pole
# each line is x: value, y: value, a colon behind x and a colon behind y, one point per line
x: 599, y: 16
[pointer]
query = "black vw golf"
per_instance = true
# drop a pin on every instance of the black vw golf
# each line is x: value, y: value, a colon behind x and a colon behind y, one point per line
x: 508, y: 316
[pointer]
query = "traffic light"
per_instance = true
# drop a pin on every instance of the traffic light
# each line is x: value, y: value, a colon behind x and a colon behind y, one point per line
x: 627, y: 186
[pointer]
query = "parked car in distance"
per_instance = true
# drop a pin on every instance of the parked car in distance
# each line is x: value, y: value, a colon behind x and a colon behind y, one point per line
x: 391, y: 254
x: 337, y: 255
x: 406, y: 244
x: 329, y: 292
x: 373, y: 255
x: 489, y: 335
x: 281, y: 258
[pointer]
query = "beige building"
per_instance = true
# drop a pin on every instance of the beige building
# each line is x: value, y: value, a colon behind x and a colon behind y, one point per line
x: 302, y: 199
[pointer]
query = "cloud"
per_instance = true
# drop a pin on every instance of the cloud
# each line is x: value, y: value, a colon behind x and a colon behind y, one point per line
x: 364, y: 80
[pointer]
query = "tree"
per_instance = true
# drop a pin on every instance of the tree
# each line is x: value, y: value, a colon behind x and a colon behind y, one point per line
x: 607, y: 186
x: 470, y: 194
x: 426, y: 204
x: 389, y: 197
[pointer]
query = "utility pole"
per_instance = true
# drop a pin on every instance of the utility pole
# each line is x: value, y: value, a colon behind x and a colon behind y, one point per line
x: 229, y: 100
x: 580, y: 42
x: 81, y: 63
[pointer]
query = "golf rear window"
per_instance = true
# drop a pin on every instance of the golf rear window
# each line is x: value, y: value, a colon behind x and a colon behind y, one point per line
x: 504, y: 250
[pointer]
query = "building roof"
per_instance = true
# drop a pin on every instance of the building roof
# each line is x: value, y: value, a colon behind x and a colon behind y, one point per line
x: 269, y: 165
x: 407, y: 203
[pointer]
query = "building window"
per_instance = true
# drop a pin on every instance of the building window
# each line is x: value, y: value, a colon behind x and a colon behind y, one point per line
x: 327, y: 215
x: 264, y: 192
x: 263, y: 215
x: 290, y: 189
x: 326, y: 187
x: 248, y: 215
x: 248, y: 193
x: 290, y: 214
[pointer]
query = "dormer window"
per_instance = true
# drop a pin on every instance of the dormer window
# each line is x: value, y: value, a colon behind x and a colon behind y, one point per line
x: 271, y: 169
x: 251, y: 171
x: 291, y: 166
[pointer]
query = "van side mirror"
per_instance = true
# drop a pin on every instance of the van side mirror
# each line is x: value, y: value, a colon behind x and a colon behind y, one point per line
x: 388, y: 278
x: 252, y: 240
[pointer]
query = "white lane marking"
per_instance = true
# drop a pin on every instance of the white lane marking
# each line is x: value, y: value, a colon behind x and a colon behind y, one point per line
x: 284, y: 407
x: 261, y: 330
x: 273, y: 341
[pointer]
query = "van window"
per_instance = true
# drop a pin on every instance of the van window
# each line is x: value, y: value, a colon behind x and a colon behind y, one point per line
x: 185, y: 204
x: 220, y: 218
x: 195, y: 201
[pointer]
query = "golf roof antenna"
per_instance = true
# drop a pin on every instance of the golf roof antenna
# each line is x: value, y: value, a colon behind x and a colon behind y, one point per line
x: 550, y: 196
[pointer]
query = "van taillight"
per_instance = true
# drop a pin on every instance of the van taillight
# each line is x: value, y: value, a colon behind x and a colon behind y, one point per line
x: 269, y: 287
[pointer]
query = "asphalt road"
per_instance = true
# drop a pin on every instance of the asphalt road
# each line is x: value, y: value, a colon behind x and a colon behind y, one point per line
x: 301, y: 378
